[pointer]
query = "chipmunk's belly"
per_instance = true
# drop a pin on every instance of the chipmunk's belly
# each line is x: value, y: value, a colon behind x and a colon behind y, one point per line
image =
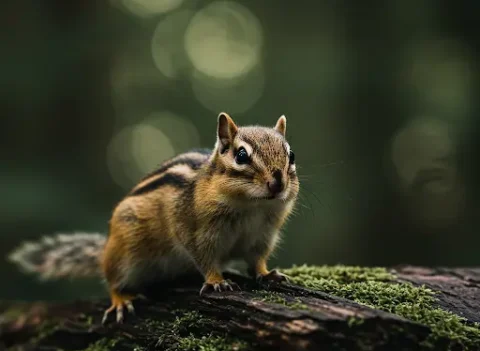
x: 163, y: 267
x: 245, y: 234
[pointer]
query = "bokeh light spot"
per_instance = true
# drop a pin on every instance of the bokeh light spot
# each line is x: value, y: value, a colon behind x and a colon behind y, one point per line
x: 150, y: 146
x: 422, y: 144
x: 441, y: 75
x: 238, y: 94
x: 167, y: 47
x: 147, y: 8
x: 136, y: 150
x: 131, y: 76
x: 423, y: 154
x: 224, y: 40
x: 184, y: 135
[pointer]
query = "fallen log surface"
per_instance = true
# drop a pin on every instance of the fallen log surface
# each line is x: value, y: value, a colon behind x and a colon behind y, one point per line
x: 322, y: 308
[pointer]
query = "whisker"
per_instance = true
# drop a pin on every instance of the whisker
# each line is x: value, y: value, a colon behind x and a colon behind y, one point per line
x: 321, y: 165
x: 310, y: 192
x: 311, y: 180
x: 329, y: 164
x: 303, y: 206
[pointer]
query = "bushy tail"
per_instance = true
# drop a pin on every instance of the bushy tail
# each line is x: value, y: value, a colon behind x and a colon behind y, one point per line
x: 62, y: 255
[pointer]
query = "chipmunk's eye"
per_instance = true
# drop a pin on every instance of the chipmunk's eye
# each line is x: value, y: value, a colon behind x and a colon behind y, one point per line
x: 291, y: 157
x: 242, y: 157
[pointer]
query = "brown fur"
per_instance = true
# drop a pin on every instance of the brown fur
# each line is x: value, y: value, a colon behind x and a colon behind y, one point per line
x: 200, y: 211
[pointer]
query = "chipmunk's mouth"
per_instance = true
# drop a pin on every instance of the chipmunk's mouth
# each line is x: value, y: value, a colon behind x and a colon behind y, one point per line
x: 268, y: 197
x: 262, y: 198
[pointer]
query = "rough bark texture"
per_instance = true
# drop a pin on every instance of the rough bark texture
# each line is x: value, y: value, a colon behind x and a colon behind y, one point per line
x: 293, y: 318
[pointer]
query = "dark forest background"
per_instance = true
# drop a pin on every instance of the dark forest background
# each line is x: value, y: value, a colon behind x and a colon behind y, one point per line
x: 381, y: 99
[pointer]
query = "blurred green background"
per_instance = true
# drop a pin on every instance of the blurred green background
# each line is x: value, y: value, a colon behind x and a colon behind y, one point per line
x: 381, y: 99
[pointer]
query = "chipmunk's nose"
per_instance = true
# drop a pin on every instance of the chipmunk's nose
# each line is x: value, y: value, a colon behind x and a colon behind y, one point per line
x: 276, y: 186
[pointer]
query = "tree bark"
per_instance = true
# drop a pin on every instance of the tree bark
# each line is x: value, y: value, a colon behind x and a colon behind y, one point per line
x: 294, y: 319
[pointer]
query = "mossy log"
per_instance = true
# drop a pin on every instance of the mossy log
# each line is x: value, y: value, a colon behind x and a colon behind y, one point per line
x: 322, y: 308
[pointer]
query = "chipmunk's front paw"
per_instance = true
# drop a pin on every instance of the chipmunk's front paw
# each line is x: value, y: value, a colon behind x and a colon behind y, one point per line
x: 118, y: 304
x: 273, y: 276
x: 224, y: 285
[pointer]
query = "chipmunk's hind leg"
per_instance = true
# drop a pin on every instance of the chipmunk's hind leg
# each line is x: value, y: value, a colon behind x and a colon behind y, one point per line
x: 119, y: 302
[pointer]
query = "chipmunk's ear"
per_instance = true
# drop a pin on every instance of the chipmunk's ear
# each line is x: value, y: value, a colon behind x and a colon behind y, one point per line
x: 281, y: 125
x: 226, y: 130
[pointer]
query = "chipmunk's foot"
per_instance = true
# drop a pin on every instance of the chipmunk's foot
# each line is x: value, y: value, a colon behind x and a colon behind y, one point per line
x: 119, y: 302
x: 273, y: 276
x: 223, y: 285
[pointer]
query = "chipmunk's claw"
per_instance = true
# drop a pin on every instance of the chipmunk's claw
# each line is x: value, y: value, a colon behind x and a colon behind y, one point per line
x: 118, y: 304
x: 273, y: 276
x: 224, y: 285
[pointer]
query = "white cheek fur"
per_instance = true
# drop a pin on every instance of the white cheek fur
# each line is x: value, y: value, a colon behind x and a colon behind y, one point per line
x: 256, y: 191
x: 238, y: 167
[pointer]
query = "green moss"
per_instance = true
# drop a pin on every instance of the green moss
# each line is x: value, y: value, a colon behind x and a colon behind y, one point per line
x: 187, y: 320
x: 44, y: 330
x: 339, y: 273
x: 209, y: 343
x: 152, y: 324
x: 354, y: 321
x: 12, y: 313
x: 187, y: 333
x: 377, y: 288
x: 274, y: 297
x: 104, y: 344
x: 86, y: 319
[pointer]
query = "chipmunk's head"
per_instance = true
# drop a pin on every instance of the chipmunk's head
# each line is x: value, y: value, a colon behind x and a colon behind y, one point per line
x: 254, y: 162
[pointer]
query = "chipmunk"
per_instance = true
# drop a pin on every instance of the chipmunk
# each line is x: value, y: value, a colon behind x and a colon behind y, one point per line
x: 197, y: 211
